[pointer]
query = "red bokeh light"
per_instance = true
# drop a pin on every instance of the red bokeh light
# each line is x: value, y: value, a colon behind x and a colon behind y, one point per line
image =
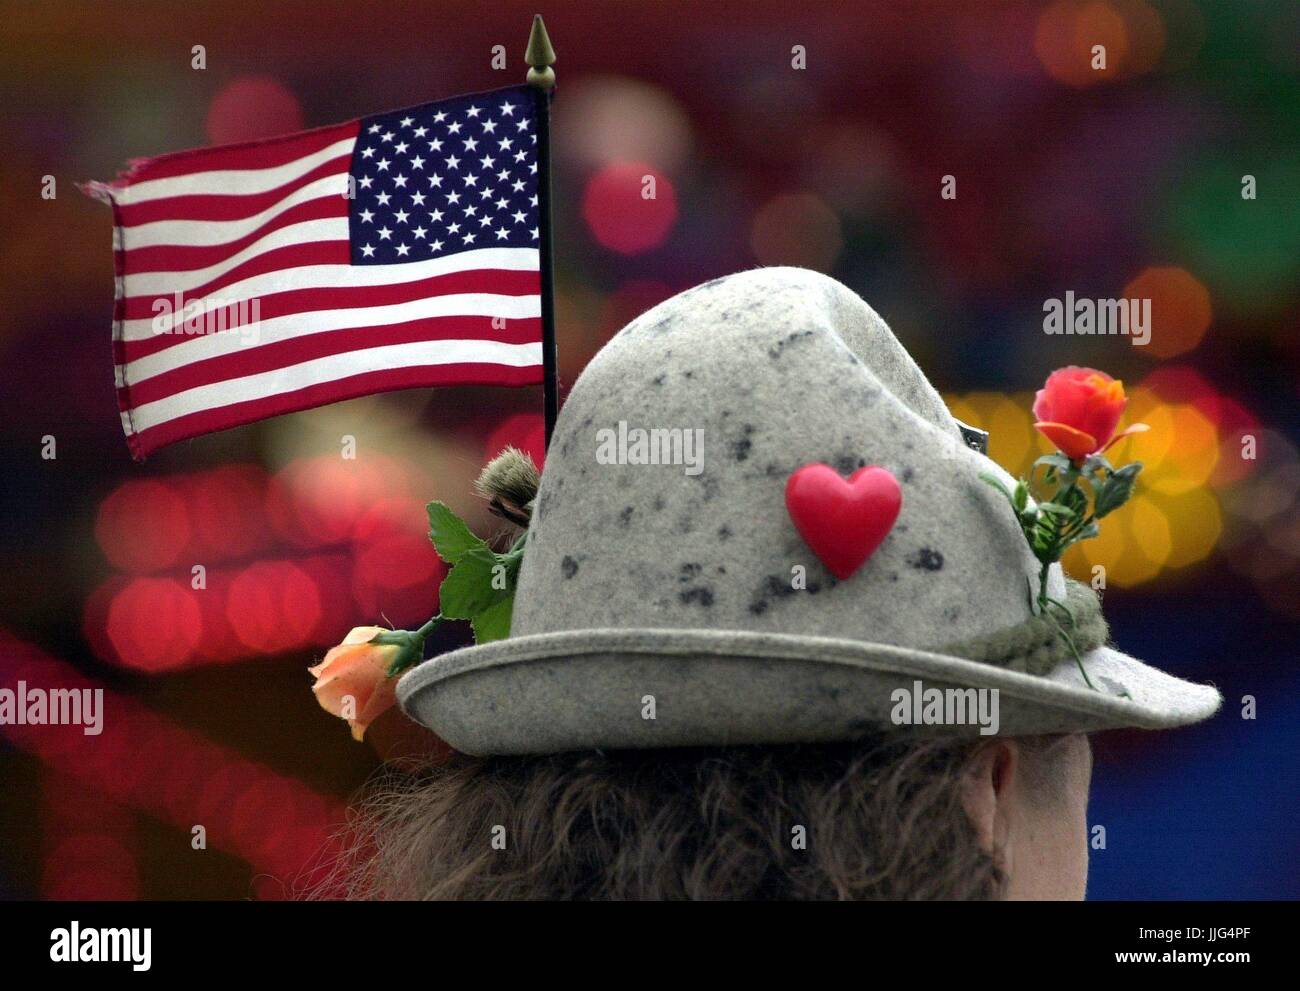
x: 154, y: 624
x: 252, y: 107
x: 618, y: 212
x: 227, y: 512
x: 395, y: 569
x: 315, y: 502
x: 273, y: 606
x: 143, y: 526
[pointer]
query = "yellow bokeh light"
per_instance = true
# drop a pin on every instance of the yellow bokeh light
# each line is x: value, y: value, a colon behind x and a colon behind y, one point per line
x: 1149, y: 528
x: 1196, y: 524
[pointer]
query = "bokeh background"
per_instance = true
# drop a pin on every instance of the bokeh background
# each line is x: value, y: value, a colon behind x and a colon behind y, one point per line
x: 1122, y: 182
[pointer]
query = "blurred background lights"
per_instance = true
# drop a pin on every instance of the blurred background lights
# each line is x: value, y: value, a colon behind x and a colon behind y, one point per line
x: 252, y: 107
x: 1180, y: 309
x: 623, y: 120
x: 797, y: 229
x: 273, y: 606
x: 620, y: 212
x: 154, y: 624
x: 143, y: 526
x: 1132, y: 33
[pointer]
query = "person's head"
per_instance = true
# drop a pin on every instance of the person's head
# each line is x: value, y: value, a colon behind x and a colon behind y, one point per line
x: 879, y: 818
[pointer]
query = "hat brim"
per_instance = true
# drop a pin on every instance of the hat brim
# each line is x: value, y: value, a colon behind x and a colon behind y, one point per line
x: 643, y: 688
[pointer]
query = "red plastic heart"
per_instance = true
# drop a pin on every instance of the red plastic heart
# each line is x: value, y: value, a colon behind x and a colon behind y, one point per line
x: 843, y: 520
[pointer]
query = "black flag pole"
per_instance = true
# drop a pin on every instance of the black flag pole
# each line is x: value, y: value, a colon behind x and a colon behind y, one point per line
x: 540, y: 56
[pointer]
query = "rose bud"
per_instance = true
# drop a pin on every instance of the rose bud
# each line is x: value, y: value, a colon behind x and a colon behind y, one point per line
x: 354, y: 680
x: 1078, y: 409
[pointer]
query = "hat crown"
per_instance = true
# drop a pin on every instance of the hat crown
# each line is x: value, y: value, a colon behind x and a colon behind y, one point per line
x: 746, y: 379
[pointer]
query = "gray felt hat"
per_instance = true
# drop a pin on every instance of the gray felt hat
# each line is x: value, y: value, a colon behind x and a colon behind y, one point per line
x: 659, y: 605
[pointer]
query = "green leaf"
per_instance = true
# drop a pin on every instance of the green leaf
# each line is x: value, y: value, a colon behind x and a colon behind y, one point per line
x: 467, y: 590
x: 998, y: 484
x: 452, y: 539
x: 1056, y: 509
x: 1094, y: 463
x: 1087, y: 533
x: 1115, y: 491
x: 1021, y: 498
x: 1058, y: 461
x: 493, y: 623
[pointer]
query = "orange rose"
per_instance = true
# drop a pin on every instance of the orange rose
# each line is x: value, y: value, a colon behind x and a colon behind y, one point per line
x: 1078, y: 410
x: 352, y: 681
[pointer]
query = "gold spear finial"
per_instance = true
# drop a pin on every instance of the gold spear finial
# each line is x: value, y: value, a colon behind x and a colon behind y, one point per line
x: 540, y: 56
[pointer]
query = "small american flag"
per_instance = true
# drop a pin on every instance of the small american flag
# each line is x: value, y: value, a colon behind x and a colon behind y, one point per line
x: 392, y: 252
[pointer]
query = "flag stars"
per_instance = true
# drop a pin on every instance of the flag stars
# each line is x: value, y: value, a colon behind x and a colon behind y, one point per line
x: 503, y: 214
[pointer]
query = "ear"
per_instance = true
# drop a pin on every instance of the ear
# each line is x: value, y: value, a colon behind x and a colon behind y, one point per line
x: 988, y: 789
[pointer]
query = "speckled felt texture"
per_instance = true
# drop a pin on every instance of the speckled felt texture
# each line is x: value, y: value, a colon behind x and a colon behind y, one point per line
x: 778, y: 367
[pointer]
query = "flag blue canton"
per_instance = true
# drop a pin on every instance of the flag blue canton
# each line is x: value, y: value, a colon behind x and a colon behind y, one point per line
x: 446, y: 177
